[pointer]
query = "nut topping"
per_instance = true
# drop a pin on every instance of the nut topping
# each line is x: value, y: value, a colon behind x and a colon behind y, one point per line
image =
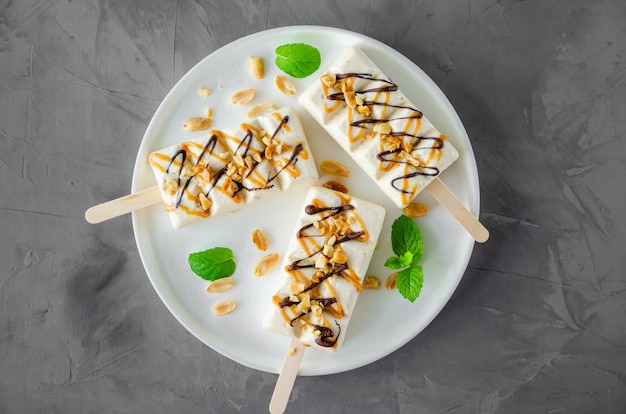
x: 331, y: 240
x: 390, y: 284
x: 273, y: 149
x: 243, y: 97
x: 204, y: 91
x: 411, y: 159
x: 407, y: 146
x: 231, y: 169
x: 197, y: 124
x: 205, y: 202
x: 220, y: 285
x: 249, y: 161
x: 205, y: 175
x: 335, y: 186
x: 339, y: 257
x: 296, y: 286
x: 257, y: 66
x: 186, y: 170
x: 382, y: 128
x: 305, y: 303
x: 392, y: 143
x: 224, y: 308
x: 328, y: 250
x: 284, y: 85
x: 228, y: 185
x: 321, y: 261
x: 269, y: 151
x: 259, y: 240
x: 257, y: 157
x: 265, y: 264
x: 328, y: 79
x: 349, y: 96
x: 371, y: 282
x: 415, y: 210
x: 369, y: 135
x: 334, y: 168
x: 260, y: 109
x: 238, y: 159
x: 171, y: 186
x: 197, y: 169
x: 364, y: 110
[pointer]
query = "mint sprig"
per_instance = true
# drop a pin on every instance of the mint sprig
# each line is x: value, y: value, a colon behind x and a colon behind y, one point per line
x: 298, y: 59
x: 406, y: 242
x: 212, y: 264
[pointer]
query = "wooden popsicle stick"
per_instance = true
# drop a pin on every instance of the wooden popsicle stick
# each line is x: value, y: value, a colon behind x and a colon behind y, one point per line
x: 287, y: 377
x: 447, y: 199
x: 123, y: 205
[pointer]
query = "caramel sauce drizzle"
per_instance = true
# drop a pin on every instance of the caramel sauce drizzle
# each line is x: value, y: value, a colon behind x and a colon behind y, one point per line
x: 410, y: 119
x: 196, y: 155
x: 312, y: 239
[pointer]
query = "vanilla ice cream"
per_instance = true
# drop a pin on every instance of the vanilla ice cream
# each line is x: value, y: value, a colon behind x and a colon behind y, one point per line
x: 230, y: 168
x: 324, y: 266
x: 375, y: 123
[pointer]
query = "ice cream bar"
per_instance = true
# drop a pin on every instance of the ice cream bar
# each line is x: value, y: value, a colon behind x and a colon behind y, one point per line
x: 230, y: 168
x: 324, y: 267
x: 375, y: 123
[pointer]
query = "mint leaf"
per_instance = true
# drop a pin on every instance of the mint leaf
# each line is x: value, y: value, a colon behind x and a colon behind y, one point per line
x: 409, y: 282
x: 403, y: 261
x: 212, y: 264
x: 406, y: 237
x: 406, y: 242
x: 298, y: 59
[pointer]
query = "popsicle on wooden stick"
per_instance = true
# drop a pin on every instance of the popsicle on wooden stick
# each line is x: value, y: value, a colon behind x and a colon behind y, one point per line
x: 223, y: 171
x: 379, y: 127
x: 324, y: 266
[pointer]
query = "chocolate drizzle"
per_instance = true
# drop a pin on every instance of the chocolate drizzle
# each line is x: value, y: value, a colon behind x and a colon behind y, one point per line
x: 183, y: 155
x: 216, y: 178
x: 292, y: 160
x: 362, y: 122
x: 326, y: 301
x: 311, y: 209
x: 210, y: 146
x: 242, y: 149
x: 423, y: 171
x: 438, y: 142
x: 350, y: 236
x: 300, y: 263
x: 325, y: 338
x: 282, y: 123
x: 286, y: 302
x: 388, y: 86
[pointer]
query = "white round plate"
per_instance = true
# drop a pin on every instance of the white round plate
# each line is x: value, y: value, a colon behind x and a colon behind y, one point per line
x: 382, y: 321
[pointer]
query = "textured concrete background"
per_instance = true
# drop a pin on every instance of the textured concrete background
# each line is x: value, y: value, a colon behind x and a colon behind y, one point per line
x: 537, y: 324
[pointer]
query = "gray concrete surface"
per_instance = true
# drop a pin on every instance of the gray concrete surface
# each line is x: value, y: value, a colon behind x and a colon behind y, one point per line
x: 537, y: 323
